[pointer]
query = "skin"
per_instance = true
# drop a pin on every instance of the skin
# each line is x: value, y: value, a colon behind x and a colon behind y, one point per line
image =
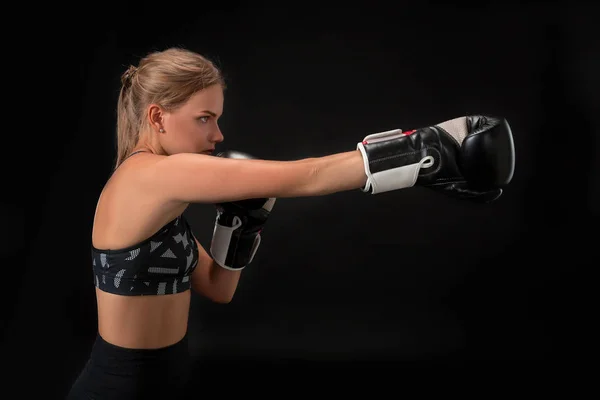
x: 192, y: 128
x: 151, y: 188
x: 126, y: 215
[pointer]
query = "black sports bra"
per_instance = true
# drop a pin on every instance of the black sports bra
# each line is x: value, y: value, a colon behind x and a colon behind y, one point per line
x: 161, y: 264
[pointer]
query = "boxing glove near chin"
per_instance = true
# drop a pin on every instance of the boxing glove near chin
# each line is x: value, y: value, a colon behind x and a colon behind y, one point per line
x: 238, y: 226
x: 470, y: 157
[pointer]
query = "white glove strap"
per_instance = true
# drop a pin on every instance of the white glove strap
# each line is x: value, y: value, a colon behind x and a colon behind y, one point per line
x: 395, y: 178
x: 221, y: 241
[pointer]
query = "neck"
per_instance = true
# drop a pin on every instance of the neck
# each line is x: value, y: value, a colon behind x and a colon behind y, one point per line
x: 149, y: 143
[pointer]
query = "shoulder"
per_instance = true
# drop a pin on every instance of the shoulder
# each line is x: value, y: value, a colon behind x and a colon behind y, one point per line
x: 136, y: 175
x: 138, y: 178
x: 128, y: 210
x: 135, y: 165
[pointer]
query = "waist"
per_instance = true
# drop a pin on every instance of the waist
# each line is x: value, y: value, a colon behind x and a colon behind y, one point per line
x: 143, y: 322
x: 105, y: 353
x: 115, y: 372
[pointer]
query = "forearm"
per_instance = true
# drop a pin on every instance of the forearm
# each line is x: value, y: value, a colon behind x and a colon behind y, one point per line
x: 337, y: 173
x: 222, y: 282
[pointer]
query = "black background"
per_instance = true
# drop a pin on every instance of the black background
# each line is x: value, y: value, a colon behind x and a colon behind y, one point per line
x: 406, y: 279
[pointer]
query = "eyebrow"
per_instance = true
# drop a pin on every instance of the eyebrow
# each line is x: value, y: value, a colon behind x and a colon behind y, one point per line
x: 209, y: 112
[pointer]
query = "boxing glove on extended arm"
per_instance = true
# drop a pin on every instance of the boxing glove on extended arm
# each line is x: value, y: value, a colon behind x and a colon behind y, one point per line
x: 471, y: 157
x: 238, y: 226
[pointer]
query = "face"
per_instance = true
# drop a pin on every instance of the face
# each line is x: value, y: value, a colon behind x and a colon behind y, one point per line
x: 193, y: 127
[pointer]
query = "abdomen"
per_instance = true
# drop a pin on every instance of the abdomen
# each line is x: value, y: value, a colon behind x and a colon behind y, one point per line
x: 143, y: 321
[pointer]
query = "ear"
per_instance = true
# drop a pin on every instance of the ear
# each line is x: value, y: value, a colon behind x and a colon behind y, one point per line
x: 156, y: 116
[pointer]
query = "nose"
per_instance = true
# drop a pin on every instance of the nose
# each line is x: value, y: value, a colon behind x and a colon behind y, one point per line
x: 218, y: 136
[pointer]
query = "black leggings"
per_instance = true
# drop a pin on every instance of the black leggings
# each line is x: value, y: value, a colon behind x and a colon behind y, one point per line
x: 119, y: 373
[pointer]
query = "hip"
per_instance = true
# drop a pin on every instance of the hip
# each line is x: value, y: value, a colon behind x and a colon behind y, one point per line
x: 114, y: 372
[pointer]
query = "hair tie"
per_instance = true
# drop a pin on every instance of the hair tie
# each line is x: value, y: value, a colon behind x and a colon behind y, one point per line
x: 128, y: 75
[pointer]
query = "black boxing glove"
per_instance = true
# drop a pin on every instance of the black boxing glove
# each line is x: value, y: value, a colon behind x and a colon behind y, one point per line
x: 471, y: 157
x: 238, y: 226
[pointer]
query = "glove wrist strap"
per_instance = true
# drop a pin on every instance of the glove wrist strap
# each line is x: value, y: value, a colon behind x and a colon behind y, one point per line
x: 231, y: 248
x: 392, y: 161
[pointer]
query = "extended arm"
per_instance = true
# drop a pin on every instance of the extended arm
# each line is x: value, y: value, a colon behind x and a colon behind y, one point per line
x: 198, y: 178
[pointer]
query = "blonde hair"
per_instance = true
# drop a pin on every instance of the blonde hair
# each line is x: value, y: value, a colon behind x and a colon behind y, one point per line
x: 167, y: 78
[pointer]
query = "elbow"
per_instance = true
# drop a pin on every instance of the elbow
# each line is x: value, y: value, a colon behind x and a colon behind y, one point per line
x: 222, y: 298
x: 221, y: 294
x: 216, y: 297
x: 214, y: 294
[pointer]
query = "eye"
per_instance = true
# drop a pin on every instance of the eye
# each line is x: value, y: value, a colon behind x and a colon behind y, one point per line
x: 204, y: 119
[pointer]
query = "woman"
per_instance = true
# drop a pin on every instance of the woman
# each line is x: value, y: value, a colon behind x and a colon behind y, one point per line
x: 144, y: 255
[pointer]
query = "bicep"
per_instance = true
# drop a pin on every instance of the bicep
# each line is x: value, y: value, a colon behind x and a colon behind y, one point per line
x: 198, y: 178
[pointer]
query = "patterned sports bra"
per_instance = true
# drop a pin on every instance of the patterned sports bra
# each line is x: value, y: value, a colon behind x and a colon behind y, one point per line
x: 161, y: 264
